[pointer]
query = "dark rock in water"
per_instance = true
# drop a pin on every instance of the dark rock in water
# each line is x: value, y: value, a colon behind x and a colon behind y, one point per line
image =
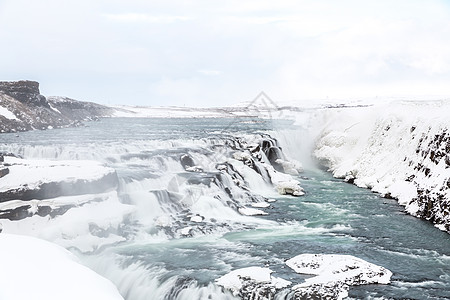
x: 4, y: 172
x: 187, y: 161
x: 2, y: 159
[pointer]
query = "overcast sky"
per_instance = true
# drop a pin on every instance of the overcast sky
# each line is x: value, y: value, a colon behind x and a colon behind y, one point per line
x: 214, y: 53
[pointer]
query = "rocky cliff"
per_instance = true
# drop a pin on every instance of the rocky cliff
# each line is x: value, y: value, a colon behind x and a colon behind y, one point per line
x: 401, y: 151
x: 23, y: 108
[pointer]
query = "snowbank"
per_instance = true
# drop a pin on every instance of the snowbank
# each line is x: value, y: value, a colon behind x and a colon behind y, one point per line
x: 36, y: 269
x: 401, y: 150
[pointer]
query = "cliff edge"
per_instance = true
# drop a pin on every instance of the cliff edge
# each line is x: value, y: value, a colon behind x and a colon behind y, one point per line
x: 23, y: 108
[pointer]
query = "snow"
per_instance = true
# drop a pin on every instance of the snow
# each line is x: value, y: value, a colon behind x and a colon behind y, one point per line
x: 36, y: 269
x: 248, y: 211
x: 38, y: 172
x: 186, y: 230
x: 242, y: 156
x: 284, y: 183
x: 260, y: 205
x: 169, y: 112
x: 75, y: 228
x: 7, y: 113
x: 394, y: 149
x: 196, y: 219
x: 235, y: 279
x: 336, y: 272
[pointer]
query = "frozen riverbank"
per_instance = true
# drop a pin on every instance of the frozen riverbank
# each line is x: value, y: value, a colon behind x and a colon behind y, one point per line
x: 401, y: 150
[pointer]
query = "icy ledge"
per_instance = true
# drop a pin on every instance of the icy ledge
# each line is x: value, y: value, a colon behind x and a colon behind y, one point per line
x: 42, y: 179
x: 334, y: 275
x: 36, y: 269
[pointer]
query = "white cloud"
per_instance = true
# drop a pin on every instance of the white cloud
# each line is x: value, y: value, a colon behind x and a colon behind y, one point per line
x: 161, y: 52
x: 145, y: 18
x: 210, y: 72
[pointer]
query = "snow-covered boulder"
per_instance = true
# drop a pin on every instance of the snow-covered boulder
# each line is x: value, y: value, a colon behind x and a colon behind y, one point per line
x: 36, y: 269
x: 334, y: 274
x: 254, y: 282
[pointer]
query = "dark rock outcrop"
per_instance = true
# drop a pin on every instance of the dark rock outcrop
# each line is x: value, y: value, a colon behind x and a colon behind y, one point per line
x: 27, y: 92
x: 29, y: 110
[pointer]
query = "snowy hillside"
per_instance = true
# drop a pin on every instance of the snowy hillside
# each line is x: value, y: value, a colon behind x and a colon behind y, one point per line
x: 401, y: 150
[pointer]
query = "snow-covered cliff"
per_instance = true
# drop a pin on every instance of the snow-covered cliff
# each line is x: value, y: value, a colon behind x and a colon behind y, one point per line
x: 401, y: 150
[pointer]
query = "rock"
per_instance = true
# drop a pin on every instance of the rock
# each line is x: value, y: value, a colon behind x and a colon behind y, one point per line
x: 25, y: 91
x: 187, y: 161
x: 29, y: 110
x: 4, y: 172
x: 252, y: 283
x: 334, y: 275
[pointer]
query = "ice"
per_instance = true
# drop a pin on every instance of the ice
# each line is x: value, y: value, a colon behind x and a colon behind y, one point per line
x: 36, y: 269
x: 91, y: 224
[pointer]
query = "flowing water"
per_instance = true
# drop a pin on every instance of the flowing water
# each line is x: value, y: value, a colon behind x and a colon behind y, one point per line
x: 168, y: 254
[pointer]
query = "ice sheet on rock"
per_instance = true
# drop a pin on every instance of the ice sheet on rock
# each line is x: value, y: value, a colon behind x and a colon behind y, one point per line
x: 336, y: 272
x: 96, y: 222
x: 252, y: 279
x: 284, y: 183
x: 36, y: 269
x: 33, y: 173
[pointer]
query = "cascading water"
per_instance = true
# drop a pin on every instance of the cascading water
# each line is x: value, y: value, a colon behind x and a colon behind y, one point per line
x: 195, y: 203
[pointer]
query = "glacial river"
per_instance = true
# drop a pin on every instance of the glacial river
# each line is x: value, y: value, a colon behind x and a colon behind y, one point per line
x: 155, y: 261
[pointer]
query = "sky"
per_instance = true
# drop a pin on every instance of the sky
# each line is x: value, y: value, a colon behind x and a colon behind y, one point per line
x: 218, y: 53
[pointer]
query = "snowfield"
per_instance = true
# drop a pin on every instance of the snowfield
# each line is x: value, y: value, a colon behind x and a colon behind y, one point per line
x: 39, y: 270
x: 401, y: 150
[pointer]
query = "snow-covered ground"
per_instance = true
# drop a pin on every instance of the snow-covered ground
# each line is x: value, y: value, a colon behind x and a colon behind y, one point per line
x: 39, y: 172
x: 36, y: 269
x: 400, y: 150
